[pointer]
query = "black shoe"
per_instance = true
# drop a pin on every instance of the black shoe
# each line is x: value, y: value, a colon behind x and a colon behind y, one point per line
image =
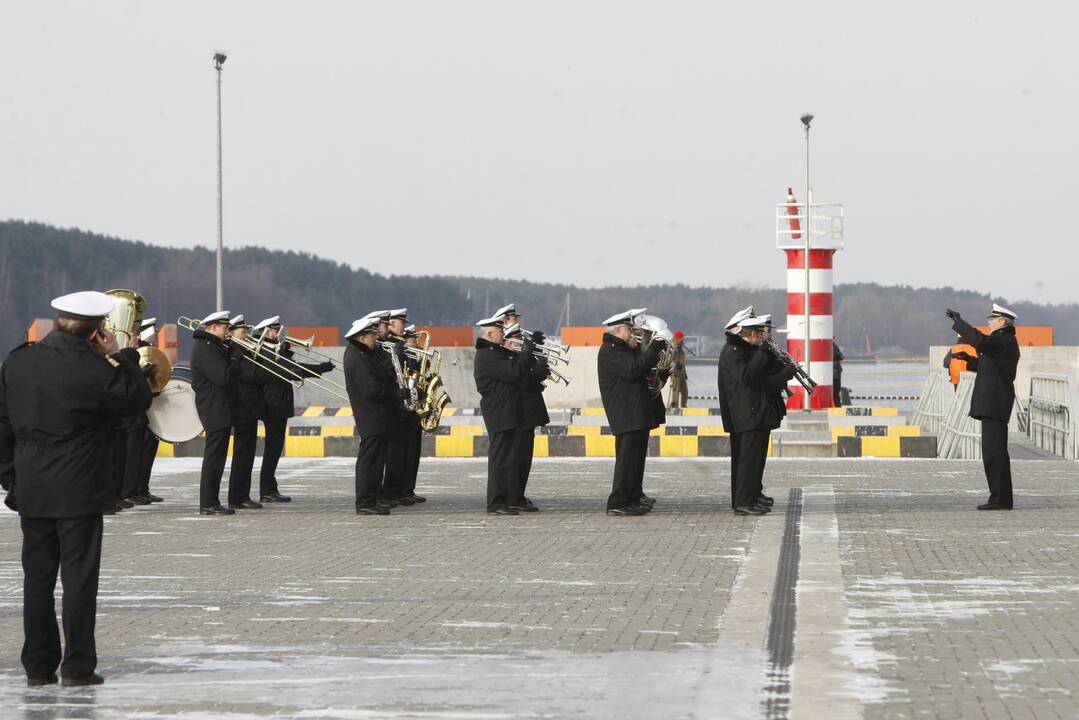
x: 994, y: 506
x: 122, y: 504
x: 217, y: 510
x: 525, y: 507
x: 116, y: 507
x: 275, y: 497
x: 763, y: 506
x: 247, y: 504
x: 137, y: 500
x: 38, y: 682
x: 153, y: 498
x: 649, y: 502
x: 94, y: 679
x: 627, y: 510
x: 389, y: 501
x: 502, y: 511
x: 765, y: 500
x: 418, y: 498
x: 755, y: 510
x: 645, y: 509
x: 405, y: 499
x: 377, y: 509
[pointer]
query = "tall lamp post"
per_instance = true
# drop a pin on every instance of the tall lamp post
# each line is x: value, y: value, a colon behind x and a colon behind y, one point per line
x: 219, y: 60
x: 808, y: 235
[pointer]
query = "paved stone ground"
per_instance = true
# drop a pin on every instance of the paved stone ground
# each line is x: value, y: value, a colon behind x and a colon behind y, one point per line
x: 307, y: 610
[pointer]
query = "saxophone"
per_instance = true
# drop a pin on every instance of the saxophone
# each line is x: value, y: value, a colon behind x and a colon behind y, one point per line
x: 428, y: 378
x: 404, y: 381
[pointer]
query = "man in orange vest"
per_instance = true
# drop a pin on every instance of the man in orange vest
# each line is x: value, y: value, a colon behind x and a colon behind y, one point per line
x: 961, y: 358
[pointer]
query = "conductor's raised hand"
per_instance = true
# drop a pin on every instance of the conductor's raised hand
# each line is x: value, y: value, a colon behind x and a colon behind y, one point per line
x: 953, y: 315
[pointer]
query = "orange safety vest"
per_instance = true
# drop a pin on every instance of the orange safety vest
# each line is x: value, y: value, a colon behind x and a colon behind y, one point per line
x: 956, y: 365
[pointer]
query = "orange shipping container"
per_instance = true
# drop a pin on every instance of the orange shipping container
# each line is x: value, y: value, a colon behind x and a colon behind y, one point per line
x: 449, y: 336
x: 39, y: 329
x: 324, y: 335
x: 1030, y: 335
x: 168, y: 342
x: 582, y: 336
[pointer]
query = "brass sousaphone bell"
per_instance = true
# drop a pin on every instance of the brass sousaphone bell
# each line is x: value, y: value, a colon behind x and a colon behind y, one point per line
x: 124, y: 322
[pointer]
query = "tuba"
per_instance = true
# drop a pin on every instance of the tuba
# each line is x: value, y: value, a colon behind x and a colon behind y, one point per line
x: 124, y: 322
x: 650, y: 328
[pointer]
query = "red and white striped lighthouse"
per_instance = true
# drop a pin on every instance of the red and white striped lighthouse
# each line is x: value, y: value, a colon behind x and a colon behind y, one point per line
x: 809, y: 292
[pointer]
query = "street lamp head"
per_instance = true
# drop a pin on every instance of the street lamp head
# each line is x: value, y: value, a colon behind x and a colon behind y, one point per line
x: 806, y: 119
x: 219, y: 60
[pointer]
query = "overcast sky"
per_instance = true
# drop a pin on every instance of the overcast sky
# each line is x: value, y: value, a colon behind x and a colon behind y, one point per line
x: 602, y: 142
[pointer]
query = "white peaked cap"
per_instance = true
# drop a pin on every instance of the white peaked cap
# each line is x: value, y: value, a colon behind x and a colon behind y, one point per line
x: 365, y: 324
x: 514, y: 328
x: 147, y: 333
x: 496, y: 319
x: 507, y: 310
x: 756, y: 322
x: 381, y: 315
x: 268, y: 322
x: 765, y: 319
x: 148, y: 323
x: 219, y: 316
x: 87, y: 303
x: 738, y: 317
x: 410, y: 329
x: 624, y: 318
x: 1001, y: 311
x: 237, y: 321
x: 401, y: 313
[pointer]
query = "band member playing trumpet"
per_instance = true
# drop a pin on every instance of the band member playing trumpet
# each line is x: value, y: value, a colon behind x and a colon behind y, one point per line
x: 248, y: 407
x: 213, y: 378
x: 533, y: 409
x: 630, y: 408
x: 498, y: 373
x: 59, y: 401
x: 279, y: 403
x: 374, y: 398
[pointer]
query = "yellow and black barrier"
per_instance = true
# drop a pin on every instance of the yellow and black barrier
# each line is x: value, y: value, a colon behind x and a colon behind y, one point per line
x: 888, y: 446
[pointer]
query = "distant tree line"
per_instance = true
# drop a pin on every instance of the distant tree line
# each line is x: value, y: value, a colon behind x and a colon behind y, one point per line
x: 39, y: 262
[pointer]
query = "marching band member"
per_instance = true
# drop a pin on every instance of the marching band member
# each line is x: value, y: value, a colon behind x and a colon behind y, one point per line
x: 533, y: 410
x: 59, y: 401
x: 413, y: 432
x: 213, y: 378
x: 248, y: 406
x: 374, y: 398
x: 279, y: 403
x: 748, y: 384
x: 141, y: 442
x: 402, y: 456
x: 630, y: 408
x: 498, y: 372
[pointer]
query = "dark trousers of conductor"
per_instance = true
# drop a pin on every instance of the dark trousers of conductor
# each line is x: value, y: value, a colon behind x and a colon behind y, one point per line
x: 997, y: 462
x: 73, y: 547
x: 503, y: 470
x: 149, y: 454
x: 371, y: 469
x: 526, y: 449
x: 630, y: 452
x: 271, y: 455
x: 244, y: 442
x: 213, y: 466
x: 749, y: 452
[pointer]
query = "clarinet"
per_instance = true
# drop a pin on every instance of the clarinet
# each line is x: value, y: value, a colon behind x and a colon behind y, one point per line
x: 799, y: 373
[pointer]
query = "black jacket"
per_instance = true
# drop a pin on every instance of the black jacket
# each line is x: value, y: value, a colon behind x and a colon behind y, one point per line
x: 372, y: 395
x: 533, y: 408
x: 250, y: 405
x: 998, y: 358
x: 59, y: 405
x: 213, y: 378
x: 498, y: 373
x: 623, y: 385
x: 138, y: 420
x: 750, y: 380
x: 277, y: 394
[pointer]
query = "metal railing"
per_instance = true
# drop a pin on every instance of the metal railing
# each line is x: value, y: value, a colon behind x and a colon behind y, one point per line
x: 930, y: 413
x: 1049, y: 421
x: 960, y: 436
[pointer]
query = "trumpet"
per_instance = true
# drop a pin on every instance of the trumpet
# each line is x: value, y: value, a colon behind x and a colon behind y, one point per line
x: 548, y: 345
x: 799, y: 373
x: 542, y: 354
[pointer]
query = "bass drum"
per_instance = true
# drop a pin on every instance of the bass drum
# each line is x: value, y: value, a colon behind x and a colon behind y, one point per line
x: 172, y: 415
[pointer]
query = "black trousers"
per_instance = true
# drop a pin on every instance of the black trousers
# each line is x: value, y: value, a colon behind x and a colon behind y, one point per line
x: 526, y: 448
x: 736, y: 453
x: 396, y: 447
x: 997, y: 462
x: 244, y: 442
x: 134, y: 458
x: 73, y: 547
x: 213, y: 467
x: 149, y: 454
x: 371, y: 469
x: 503, y: 471
x: 271, y: 455
x: 119, y: 462
x: 747, y: 470
x: 413, y: 438
x: 630, y: 452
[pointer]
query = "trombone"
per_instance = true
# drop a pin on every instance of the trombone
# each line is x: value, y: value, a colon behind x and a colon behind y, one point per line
x: 295, y: 376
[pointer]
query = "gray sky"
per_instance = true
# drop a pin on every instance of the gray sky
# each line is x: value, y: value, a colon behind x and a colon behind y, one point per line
x: 602, y: 142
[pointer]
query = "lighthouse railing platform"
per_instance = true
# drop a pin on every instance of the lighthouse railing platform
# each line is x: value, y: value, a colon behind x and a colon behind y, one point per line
x: 827, y: 219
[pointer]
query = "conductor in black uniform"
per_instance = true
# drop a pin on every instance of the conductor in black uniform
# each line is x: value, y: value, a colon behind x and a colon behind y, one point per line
x: 630, y: 406
x: 248, y: 406
x: 213, y: 378
x: 374, y: 399
x: 533, y: 409
x: 59, y: 403
x: 993, y: 397
x: 749, y: 381
x: 498, y: 373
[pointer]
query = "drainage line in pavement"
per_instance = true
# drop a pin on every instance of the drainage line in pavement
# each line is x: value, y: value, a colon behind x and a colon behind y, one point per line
x: 783, y: 613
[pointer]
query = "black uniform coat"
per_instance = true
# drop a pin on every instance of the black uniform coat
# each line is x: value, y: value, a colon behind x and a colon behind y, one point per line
x: 498, y: 373
x: 250, y: 378
x: 59, y: 403
x: 749, y: 382
x: 533, y: 408
x: 623, y: 385
x: 277, y: 394
x: 998, y: 358
x: 213, y: 378
x: 372, y: 396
